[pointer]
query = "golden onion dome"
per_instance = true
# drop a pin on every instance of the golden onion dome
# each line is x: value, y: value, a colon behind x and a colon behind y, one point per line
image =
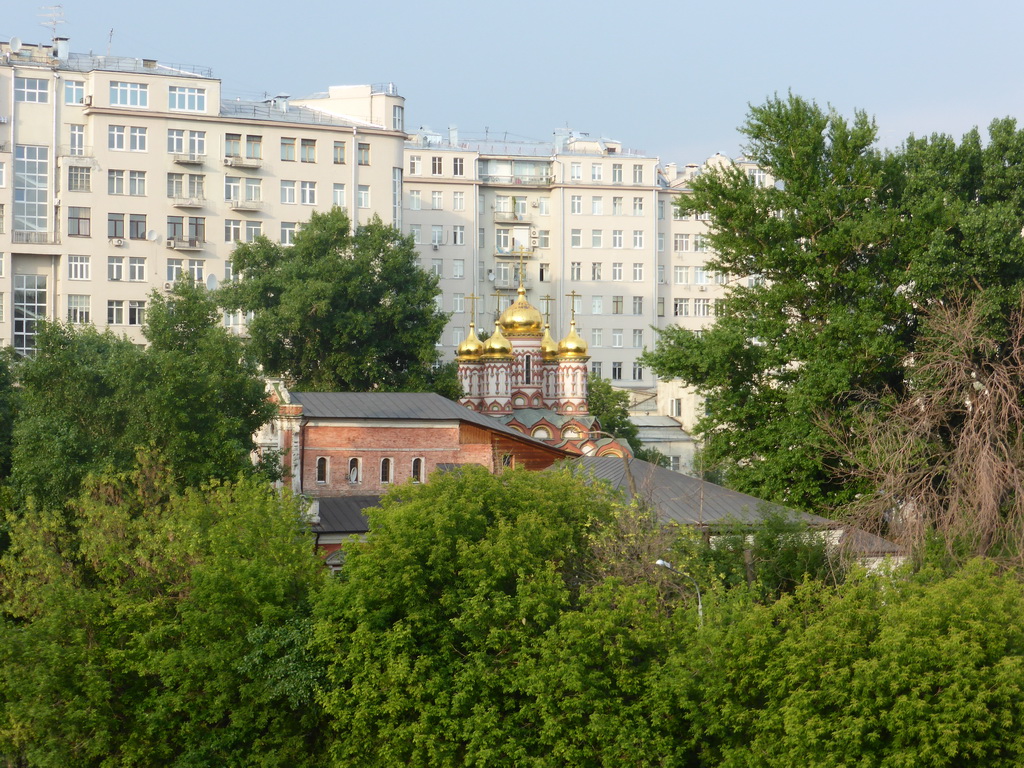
x: 521, y: 318
x: 548, y: 346
x: 472, y: 347
x: 572, y: 346
x: 497, y: 347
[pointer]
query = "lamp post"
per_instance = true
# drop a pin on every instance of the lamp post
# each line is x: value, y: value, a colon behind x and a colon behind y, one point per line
x: 625, y: 460
x: 700, y: 605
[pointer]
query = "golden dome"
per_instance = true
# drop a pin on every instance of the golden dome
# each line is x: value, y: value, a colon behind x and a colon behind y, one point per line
x: 497, y: 347
x: 548, y: 346
x: 472, y: 347
x: 521, y: 319
x: 572, y: 346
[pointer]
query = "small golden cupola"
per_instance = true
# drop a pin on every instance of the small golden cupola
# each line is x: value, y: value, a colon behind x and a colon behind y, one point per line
x: 471, y: 348
x: 572, y: 347
x: 521, y: 318
x: 497, y: 347
x: 548, y: 346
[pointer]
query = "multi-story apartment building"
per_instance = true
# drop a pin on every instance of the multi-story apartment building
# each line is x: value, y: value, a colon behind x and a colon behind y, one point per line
x: 119, y: 175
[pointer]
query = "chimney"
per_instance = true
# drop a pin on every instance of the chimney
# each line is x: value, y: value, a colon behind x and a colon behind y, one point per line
x: 61, y: 48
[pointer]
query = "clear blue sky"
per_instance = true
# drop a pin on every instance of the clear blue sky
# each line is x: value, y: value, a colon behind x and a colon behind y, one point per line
x: 671, y: 77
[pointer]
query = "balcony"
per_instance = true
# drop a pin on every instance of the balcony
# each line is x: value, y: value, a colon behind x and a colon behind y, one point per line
x: 24, y: 237
x: 188, y: 159
x: 507, y: 283
x: 517, y: 180
x: 185, y: 243
x: 188, y: 202
x: 237, y: 161
x: 510, y: 217
x: 245, y: 205
x: 517, y: 252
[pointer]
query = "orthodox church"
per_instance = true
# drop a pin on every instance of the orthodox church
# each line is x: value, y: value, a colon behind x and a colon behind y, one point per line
x: 534, y: 385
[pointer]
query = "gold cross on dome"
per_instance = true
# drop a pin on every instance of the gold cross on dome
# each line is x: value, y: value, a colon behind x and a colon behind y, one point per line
x: 572, y: 304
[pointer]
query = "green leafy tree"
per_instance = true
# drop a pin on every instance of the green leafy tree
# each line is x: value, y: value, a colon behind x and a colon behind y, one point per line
x: 90, y: 400
x: 152, y: 628
x: 338, y: 311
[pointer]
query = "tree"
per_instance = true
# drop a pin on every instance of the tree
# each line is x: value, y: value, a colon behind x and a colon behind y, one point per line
x: 89, y: 401
x: 338, y: 311
x: 155, y: 628
x: 611, y: 408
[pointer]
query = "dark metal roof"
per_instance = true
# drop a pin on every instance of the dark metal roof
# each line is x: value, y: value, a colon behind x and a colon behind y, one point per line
x: 423, y: 406
x: 344, y: 514
x: 684, y: 499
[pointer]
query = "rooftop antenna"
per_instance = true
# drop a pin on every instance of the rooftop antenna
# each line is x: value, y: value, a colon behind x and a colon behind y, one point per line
x: 52, y: 15
x: 110, y: 40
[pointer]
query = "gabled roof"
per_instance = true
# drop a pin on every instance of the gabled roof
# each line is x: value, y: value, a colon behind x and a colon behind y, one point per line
x: 419, y: 406
x: 344, y: 514
x: 684, y: 499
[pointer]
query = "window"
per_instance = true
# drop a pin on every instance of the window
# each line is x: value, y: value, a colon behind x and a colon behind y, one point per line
x: 616, y: 305
x: 638, y: 238
x: 638, y: 338
x: 136, y: 269
x: 115, y: 225
x: 253, y: 190
x: 79, y: 225
x: 185, y: 99
x: 576, y: 204
x: 616, y: 238
x: 321, y: 469
x: 458, y: 234
x: 137, y: 138
x: 197, y: 229
x: 77, y: 146
x: 436, y: 165
x: 544, y: 272
x: 597, y: 337
x: 397, y: 117
x: 116, y: 137
x: 417, y: 470
x: 544, y: 238
x: 680, y: 243
x: 595, y: 367
x: 437, y: 234
x: 288, y: 149
x: 115, y: 313
x: 137, y: 226
x: 363, y: 154
x: 115, y: 268
x: 254, y: 147
x: 544, y: 206
x: 307, y: 192
x: 197, y: 142
x: 675, y: 407
x: 31, y: 90
x: 253, y: 229
x: 638, y: 271
x: 616, y: 173
x: 458, y: 167
x: 78, y: 309
x: 757, y: 177
x: 702, y: 307
x: 415, y: 165
x: 661, y: 306
x: 616, y: 206
x: 195, y: 269
x: 661, y: 274
x: 136, y: 312
x: 681, y: 307
x: 638, y: 305
x: 29, y: 304
x: 115, y: 182
x: 415, y: 231
x: 661, y: 210
x: 574, y: 270
x: 354, y: 470
x: 616, y: 371
x: 458, y: 268
x: 137, y: 183
x: 576, y: 171
x: 174, y: 269
x: 597, y: 305
x: 597, y: 206
x: 128, y: 94
x: 363, y: 196
x: 78, y: 267
x: 576, y: 238
x: 436, y: 200
x: 617, y: 270
x: 287, y: 232
x: 175, y: 141
x: 638, y: 206
x: 595, y: 270
x: 74, y: 92
x: 233, y: 145
x: 596, y: 171
x: 307, y: 150
x: 700, y: 276
x: 638, y: 372
x: 385, y: 471
x: 288, y: 192
x: 458, y: 201
x: 232, y: 230
x: 415, y: 200
x: 638, y: 174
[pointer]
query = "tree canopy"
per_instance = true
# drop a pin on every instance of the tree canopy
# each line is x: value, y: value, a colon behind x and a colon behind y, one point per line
x: 341, y: 311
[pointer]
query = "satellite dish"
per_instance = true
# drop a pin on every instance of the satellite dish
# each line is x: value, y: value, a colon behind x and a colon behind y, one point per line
x: 152, y: 235
x: 15, y: 44
x: 211, y: 282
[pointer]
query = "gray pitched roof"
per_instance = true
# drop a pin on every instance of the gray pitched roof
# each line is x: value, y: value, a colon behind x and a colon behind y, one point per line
x: 344, y: 514
x: 423, y: 406
x: 684, y: 499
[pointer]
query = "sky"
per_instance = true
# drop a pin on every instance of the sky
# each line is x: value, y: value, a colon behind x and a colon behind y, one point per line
x: 673, y: 78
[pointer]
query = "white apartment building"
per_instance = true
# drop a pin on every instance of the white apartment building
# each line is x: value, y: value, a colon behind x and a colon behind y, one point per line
x: 118, y: 175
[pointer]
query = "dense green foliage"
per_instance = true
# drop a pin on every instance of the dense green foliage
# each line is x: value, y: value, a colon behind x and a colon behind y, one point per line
x: 851, y: 244
x: 89, y: 401
x: 152, y: 628
x: 341, y: 311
